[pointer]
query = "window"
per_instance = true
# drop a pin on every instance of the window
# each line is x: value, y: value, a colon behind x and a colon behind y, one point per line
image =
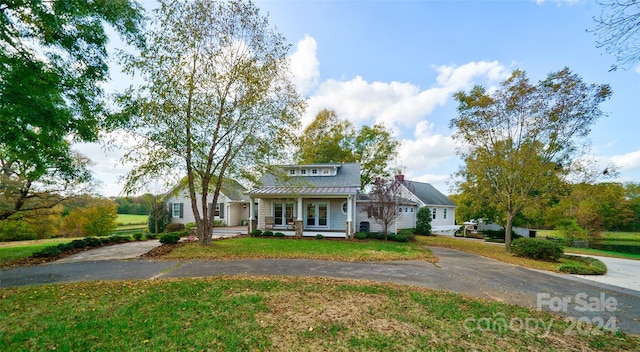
x: 176, y: 210
x: 314, y: 171
x: 406, y: 210
x: 411, y: 209
x: 303, y: 172
x: 345, y: 207
x: 434, y: 212
x: 399, y: 209
x: 325, y: 171
x: 373, y: 212
x: 292, y: 172
x: 444, y: 214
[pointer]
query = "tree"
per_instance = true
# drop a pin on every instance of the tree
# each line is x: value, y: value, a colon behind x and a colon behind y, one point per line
x: 217, y: 100
x: 384, y: 200
x: 159, y: 216
x: 618, y: 31
x: 329, y: 139
x: 53, y: 62
x: 519, y: 141
x: 423, y: 221
x: 101, y: 218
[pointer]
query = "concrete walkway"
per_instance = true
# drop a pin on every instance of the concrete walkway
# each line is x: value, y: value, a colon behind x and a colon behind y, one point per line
x: 456, y: 271
x: 620, y: 272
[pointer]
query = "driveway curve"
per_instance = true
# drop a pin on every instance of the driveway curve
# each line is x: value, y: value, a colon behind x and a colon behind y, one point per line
x: 456, y: 271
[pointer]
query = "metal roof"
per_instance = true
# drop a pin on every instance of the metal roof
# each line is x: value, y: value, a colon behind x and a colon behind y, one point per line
x: 306, y: 191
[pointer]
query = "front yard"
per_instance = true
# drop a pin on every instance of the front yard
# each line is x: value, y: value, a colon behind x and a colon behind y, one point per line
x: 279, y: 314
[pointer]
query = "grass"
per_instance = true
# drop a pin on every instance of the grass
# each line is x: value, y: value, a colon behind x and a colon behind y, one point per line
x: 130, y: 219
x: 15, y: 250
x: 601, y: 253
x: 276, y: 314
x: 286, y: 248
x: 606, y: 235
x: 495, y: 251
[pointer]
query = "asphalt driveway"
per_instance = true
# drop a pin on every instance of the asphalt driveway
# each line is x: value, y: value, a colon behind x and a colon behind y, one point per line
x: 456, y: 271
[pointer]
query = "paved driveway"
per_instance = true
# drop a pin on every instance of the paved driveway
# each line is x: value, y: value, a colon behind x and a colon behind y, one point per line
x: 456, y: 271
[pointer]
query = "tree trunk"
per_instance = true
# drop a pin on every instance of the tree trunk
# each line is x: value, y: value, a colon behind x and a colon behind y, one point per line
x: 507, y: 231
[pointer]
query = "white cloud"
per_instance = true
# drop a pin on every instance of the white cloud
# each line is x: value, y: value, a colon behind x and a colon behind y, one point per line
x: 397, y: 104
x: 627, y: 162
x: 305, y: 65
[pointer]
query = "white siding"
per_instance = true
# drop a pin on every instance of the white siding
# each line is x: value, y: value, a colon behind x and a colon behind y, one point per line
x: 188, y: 214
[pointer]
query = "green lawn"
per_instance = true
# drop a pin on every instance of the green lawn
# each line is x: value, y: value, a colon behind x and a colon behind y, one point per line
x: 278, y: 314
x: 606, y: 235
x: 129, y: 219
x: 252, y: 247
x: 12, y: 251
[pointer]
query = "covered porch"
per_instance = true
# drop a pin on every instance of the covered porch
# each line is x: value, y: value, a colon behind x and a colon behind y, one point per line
x: 329, y: 215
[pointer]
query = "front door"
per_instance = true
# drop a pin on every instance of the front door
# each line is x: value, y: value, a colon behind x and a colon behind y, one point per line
x: 317, y: 215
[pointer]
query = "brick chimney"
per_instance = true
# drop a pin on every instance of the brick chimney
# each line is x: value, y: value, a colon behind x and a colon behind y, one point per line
x: 400, y: 178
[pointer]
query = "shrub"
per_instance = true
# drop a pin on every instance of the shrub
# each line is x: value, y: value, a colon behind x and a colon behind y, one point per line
x: 174, y: 227
x: 498, y: 235
x: 47, y: 252
x: 169, y: 238
x: 63, y: 247
x: 409, y: 233
x: 399, y: 238
x: 120, y: 238
x: 93, y: 242
x: 267, y: 233
x: 218, y: 223
x: 159, y: 215
x: 137, y: 236
x: 536, y: 248
x: 151, y: 236
x: 256, y: 233
x: 361, y: 235
x: 190, y: 225
x: 105, y: 240
x: 585, y: 266
x: 423, y: 221
x: 78, y: 243
x: 278, y: 234
x: 319, y: 237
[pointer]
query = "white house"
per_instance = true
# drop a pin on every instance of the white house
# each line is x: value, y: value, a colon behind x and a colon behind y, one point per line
x: 416, y: 195
x: 232, y: 208
x: 326, y: 199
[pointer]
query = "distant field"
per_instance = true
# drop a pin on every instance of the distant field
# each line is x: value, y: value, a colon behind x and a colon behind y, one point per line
x: 607, y: 235
x: 129, y: 219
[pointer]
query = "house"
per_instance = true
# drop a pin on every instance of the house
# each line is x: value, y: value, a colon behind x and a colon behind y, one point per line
x: 308, y: 200
x: 416, y: 195
x: 443, y: 209
x: 232, y: 208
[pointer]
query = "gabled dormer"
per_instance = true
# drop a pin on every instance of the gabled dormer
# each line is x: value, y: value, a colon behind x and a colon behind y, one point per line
x: 312, y: 170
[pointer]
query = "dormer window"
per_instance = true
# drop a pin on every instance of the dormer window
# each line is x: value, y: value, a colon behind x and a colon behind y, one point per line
x: 325, y: 171
x: 314, y: 171
x: 303, y: 172
x: 292, y: 172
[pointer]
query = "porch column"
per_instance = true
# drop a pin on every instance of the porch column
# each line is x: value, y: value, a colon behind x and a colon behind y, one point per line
x: 251, y: 219
x: 298, y: 223
x: 349, y: 232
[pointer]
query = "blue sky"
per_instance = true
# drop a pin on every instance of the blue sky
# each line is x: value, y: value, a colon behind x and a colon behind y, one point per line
x: 399, y: 62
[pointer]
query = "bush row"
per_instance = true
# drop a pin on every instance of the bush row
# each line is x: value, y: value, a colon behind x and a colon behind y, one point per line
x: 266, y: 233
x: 404, y: 235
x: 88, y: 242
x: 585, y: 266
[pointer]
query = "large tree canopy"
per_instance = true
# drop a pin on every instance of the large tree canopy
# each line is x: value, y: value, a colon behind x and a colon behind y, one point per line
x: 52, y: 66
x: 618, y: 31
x: 520, y: 140
x: 329, y: 139
x: 217, y: 100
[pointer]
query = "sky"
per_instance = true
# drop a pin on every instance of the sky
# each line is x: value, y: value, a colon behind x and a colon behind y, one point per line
x: 399, y: 63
